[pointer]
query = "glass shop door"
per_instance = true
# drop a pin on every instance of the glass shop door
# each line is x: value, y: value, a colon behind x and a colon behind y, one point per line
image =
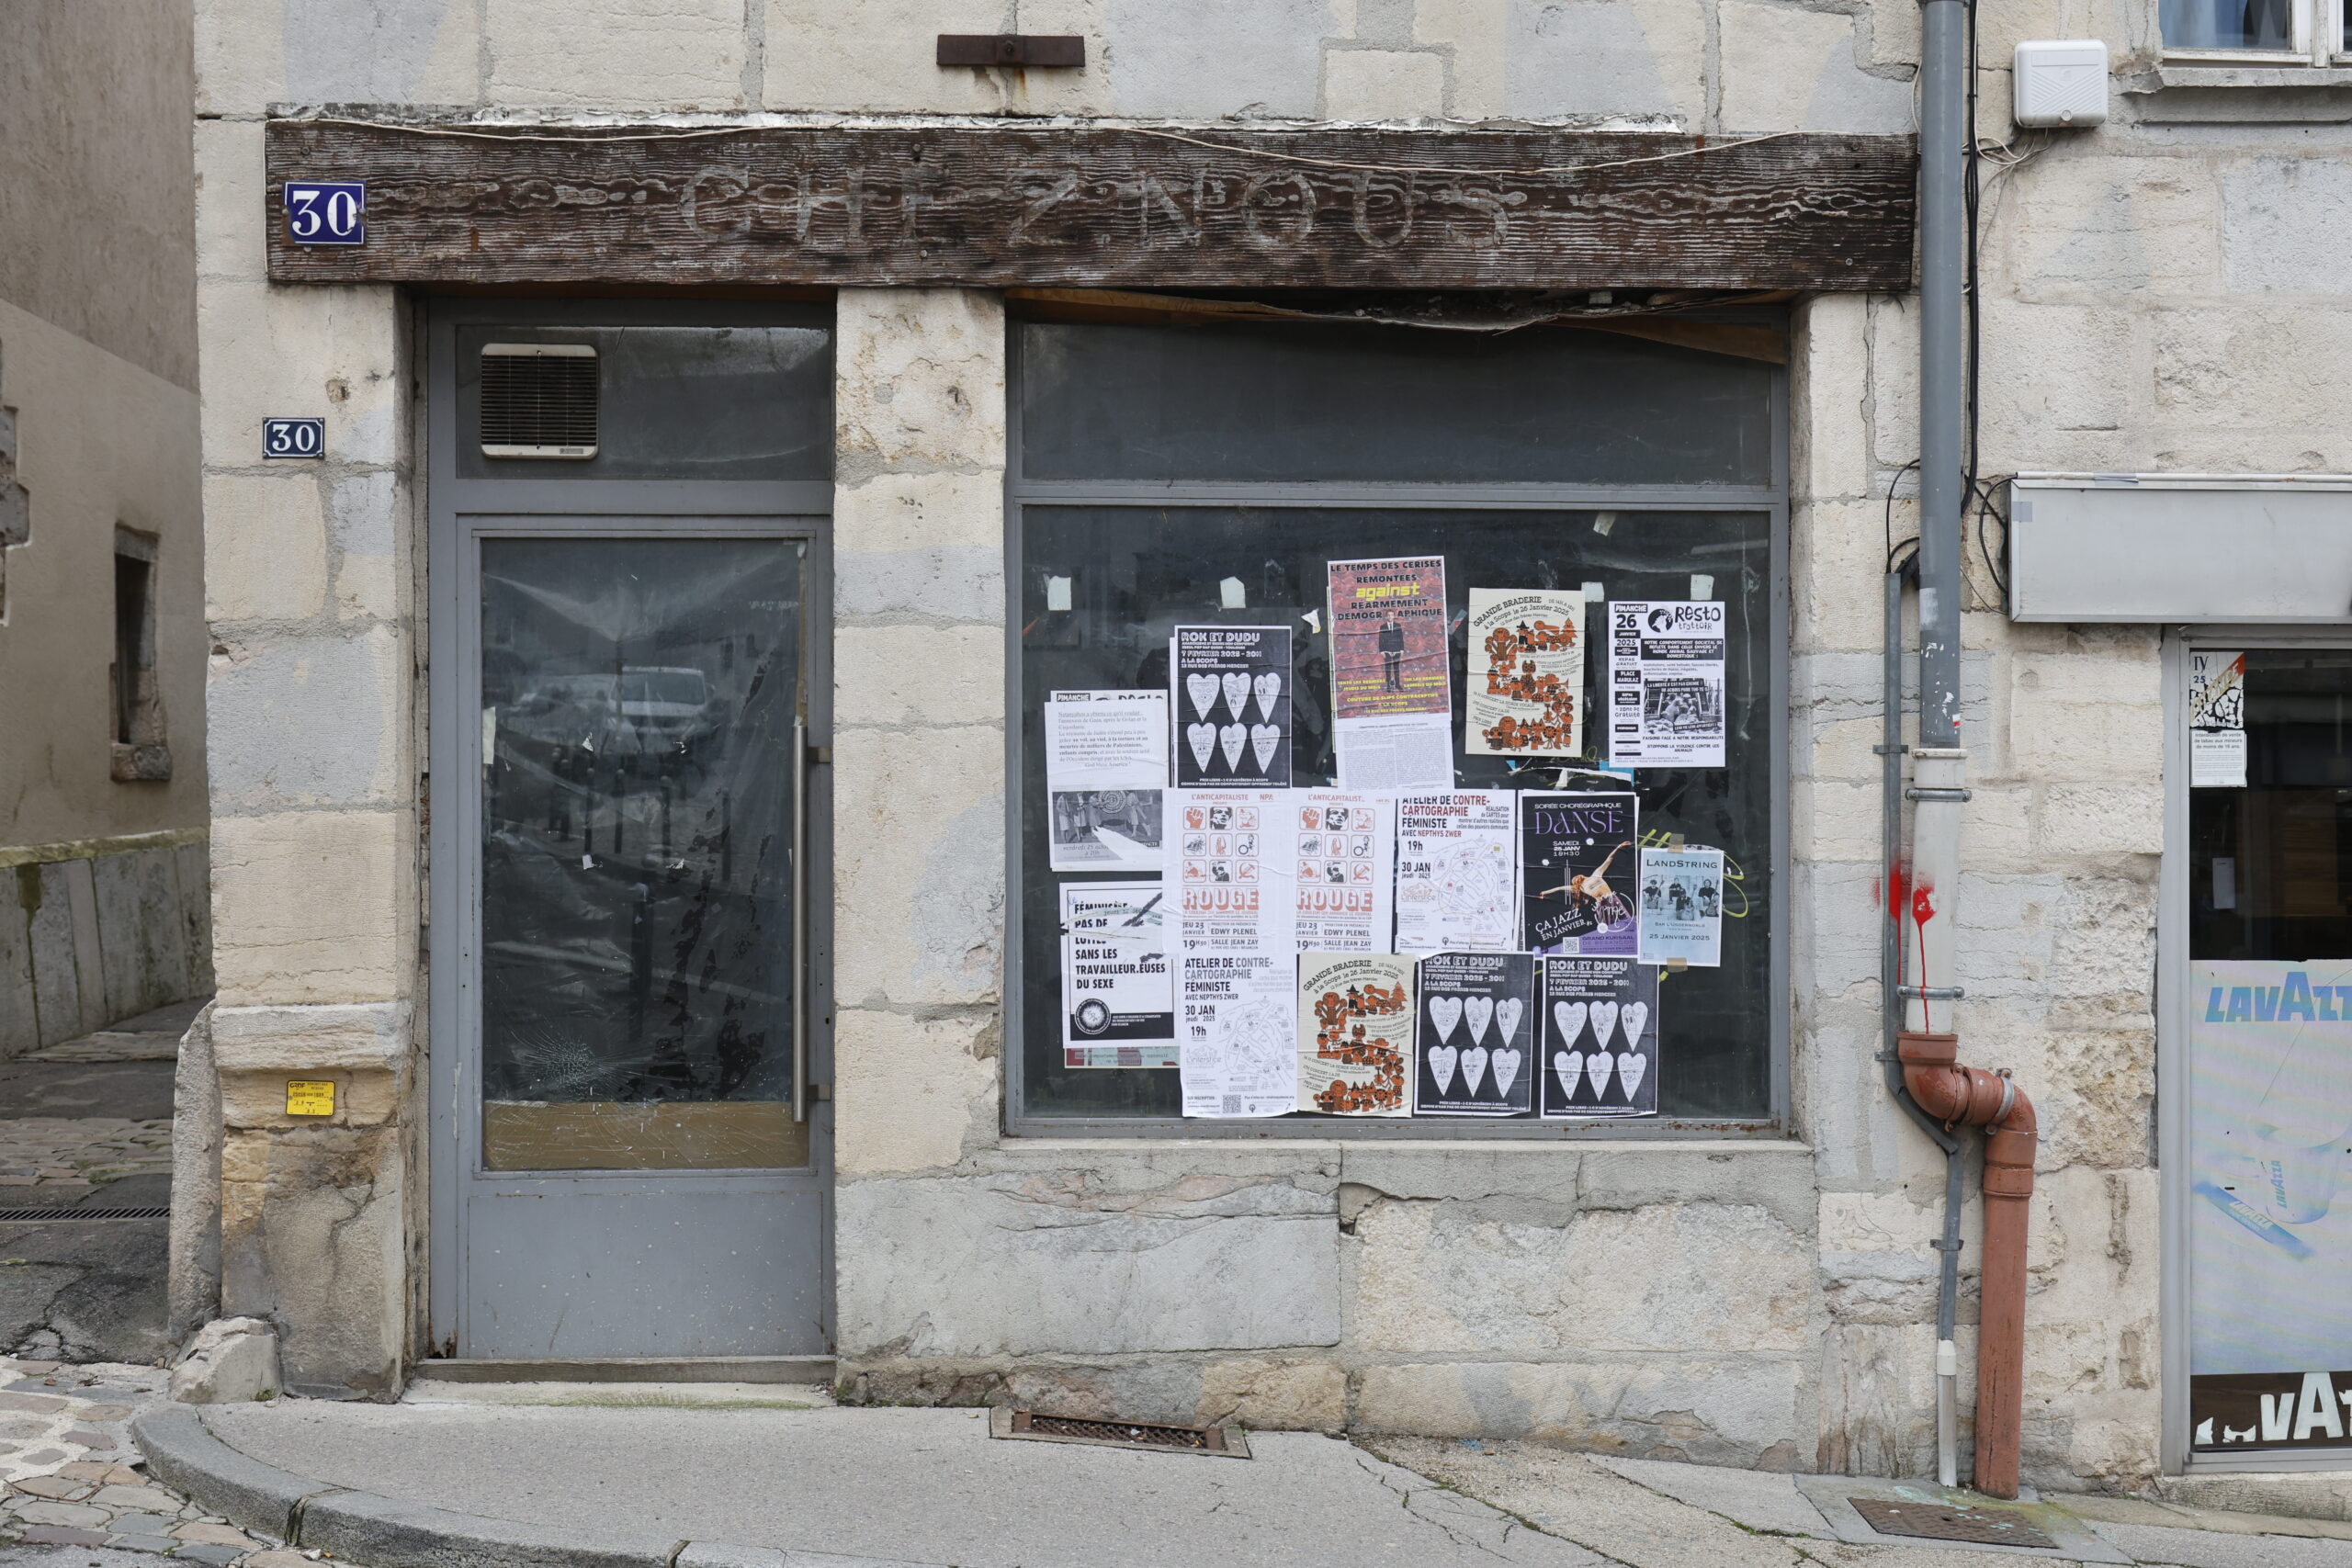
x: 630, y: 687
x: 2267, y: 1035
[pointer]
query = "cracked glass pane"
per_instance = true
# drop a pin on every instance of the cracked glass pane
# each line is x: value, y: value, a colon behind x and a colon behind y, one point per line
x: 638, y: 698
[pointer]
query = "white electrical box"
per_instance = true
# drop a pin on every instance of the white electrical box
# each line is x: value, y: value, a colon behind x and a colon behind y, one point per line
x: 2060, y: 82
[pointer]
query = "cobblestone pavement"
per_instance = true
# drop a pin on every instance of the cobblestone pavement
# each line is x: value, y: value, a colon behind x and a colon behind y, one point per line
x: 63, y: 1157
x: 73, y: 1481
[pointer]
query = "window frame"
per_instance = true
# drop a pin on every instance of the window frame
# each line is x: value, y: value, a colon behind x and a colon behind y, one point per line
x: 2316, y: 28
x: 1771, y: 499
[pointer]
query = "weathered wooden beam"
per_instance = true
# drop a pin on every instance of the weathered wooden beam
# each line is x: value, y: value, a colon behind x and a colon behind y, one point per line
x: 1037, y: 205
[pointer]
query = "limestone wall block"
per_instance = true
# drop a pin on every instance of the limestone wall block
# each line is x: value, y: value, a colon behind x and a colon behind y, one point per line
x: 1379, y: 85
x: 2105, y: 350
x: 2103, y: 941
x: 2095, y: 1090
x: 918, y: 866
x: 2116, y: 817
x: 1839, y: 942
x: 1876, y: 1388
x: 311, y: 720
x: 2085, y: 228
x: 2282, y: 220
x: 1829, y: 398
x: 365, y: 518
x: 1787, y: 69
x: 1536, y: 1174
x: 920, y: 382
x: 314, y: 907
x: 1434, y: 1276
x: 1996, y: 830
x: 1212, y: 58
x: 1775, y: 1177
x: 230, y: 194
x: 264, y: 548
x: 930, y: 545
x: 2056, y: 736
x: 349, y: 1037
x: 240, y: 56
x: 1275, y: 1395
x: 312, y: 1238
x: 2005, y: 939
x: 878, y: 56
x: 1703, y: 1410
x: 890, y: 676
x: 361, y: 1099
x: 617, y: 55
x: 1477, y: 34
x: 1046, y: 1265
x: 909, y: 1093
x: 2249, y: 372
x: 1839, y: 577
x: 1895, y: 395
x: 1635, y: 59
x: 1834, y: 820
x: 1838, y: 749
x: 268, y: 349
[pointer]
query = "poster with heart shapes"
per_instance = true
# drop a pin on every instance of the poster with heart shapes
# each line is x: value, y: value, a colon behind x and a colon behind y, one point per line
x: 1229, y: 702
x: 1598, y: 1055
x: 1474, y: 1044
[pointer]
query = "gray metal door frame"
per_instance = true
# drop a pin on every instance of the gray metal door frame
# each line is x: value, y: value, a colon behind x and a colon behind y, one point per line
x: 461, y: 513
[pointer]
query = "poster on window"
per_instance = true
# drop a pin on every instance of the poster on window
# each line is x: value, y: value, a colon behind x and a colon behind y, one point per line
x: 1391, y: 684
x: 1457, y: 871
x: 1526, y: 695
x: 1230, y: 694
x: 1106, y: 763
x: 1577, y: 867
x: 1355, y: 1033
x: 2216, y: 719
x: 2269, y: 1101
x: 1346, y: 870
x: 1599, y: 1033
x: 1474, y: 1045
x: 1234, y: 950
x: 1666, y: 683
x: 1682, y: 907
x: 1118, y: 1008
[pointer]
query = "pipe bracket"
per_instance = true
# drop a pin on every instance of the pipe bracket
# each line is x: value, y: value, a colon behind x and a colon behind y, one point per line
x: 1932, y: 993
x: 1955, y: 796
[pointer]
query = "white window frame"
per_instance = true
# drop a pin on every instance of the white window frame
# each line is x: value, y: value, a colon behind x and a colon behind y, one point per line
x: 2316, y: 27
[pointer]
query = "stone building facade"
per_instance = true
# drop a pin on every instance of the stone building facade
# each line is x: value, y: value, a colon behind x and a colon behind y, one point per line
x: 2160, y: 296
x: 102, y: 790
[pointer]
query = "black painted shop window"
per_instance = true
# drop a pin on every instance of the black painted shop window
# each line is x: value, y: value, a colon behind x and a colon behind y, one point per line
x: 1106, y: 569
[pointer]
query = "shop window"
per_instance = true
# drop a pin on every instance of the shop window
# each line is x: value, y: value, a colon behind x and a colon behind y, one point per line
x: 138, y: 755
x: 1321, y: 828
x: 2278, y: 31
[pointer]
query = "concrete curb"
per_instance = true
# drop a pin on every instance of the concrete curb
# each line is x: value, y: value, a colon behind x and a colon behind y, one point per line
x: 384, y: 1532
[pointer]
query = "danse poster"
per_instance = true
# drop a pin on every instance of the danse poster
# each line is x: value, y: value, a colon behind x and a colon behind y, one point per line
x: 1576, y: 870
x: 1457, y: 871
x: 1391, y: 687
x: 1473, y: 1049
x: 1230, y: 693
x: 1526, y: 695
x: 1355, y: 1033
x: 1117, y: 1006
x: 1236, y: 952
x: 1600, y: 1037
x: 1346, y: 847
x: 1666, y: 683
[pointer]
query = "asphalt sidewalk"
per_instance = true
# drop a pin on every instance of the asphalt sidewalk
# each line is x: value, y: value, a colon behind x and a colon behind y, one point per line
x: 739, y: 1476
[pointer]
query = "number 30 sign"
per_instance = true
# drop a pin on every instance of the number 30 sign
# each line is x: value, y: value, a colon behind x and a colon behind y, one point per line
x: 326, y: 213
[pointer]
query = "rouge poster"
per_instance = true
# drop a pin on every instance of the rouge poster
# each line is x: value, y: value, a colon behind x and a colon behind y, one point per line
x: 1236, y: 953
x: 1230, y: 698
x: 1600, y: 1037
x: 1391, y: 689
x: 1576, y: 870
x: 1526, y: 695
x: 1346, y: 858
x: 1473, y: 1043
x: 1355, y: 1033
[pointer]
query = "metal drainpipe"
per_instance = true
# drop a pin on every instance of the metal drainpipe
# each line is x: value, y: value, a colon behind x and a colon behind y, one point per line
x: 1891, y: 752
x: 1925, y: 917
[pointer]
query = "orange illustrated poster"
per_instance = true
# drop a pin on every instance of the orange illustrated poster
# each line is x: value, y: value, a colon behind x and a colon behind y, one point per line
x: 1355, y: 1034
x: 1526, y: 697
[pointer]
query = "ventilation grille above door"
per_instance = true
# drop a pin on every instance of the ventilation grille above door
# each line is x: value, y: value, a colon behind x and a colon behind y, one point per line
x: 539, y: 399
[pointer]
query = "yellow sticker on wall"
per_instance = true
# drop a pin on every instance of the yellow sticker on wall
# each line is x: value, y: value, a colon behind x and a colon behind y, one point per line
x: 309, y: 1097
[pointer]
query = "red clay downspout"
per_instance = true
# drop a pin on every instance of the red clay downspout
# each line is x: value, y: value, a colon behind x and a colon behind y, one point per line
x: 1972, y: 1095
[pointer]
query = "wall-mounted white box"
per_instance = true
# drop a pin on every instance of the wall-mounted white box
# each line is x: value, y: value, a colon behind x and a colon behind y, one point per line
x: 2060, y: 82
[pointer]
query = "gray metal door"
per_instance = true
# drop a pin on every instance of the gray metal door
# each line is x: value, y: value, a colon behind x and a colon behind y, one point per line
x: 629, y: 691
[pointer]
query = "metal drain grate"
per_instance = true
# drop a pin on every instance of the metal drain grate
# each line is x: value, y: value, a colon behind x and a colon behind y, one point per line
x: 43, y: 1216
x: 1224, y: 1442
x: 1940, y: 1521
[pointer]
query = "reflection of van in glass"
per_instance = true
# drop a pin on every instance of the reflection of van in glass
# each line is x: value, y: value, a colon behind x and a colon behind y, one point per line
x: 645, y: 712
x: 665, y: 708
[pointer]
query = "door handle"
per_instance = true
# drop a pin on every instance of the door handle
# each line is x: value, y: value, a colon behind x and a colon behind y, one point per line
x: 800, y: 920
